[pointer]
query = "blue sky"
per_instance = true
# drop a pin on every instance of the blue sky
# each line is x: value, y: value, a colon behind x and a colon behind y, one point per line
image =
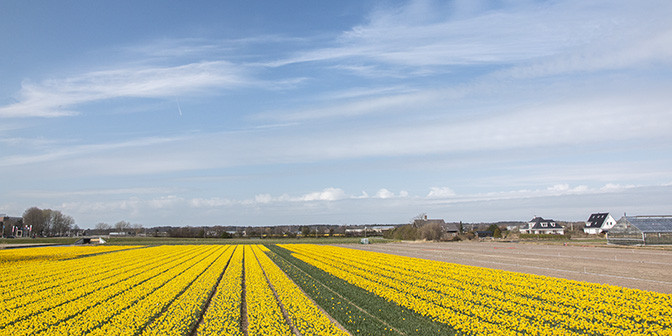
x: 348, y: 112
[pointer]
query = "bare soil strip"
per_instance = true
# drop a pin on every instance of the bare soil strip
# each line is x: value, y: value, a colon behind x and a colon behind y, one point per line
x: 643, y: 269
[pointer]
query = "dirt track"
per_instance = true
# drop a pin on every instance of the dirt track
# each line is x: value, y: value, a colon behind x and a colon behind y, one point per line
x: 645, y: 269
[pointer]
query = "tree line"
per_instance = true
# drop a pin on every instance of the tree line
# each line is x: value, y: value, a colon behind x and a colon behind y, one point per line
x: 120, y: 226
x: 47, y: 222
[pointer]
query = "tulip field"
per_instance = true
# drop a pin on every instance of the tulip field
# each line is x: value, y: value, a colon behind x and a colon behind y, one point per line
x: 300, y: 289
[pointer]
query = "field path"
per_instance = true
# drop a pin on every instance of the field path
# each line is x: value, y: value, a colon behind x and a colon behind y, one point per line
x: 646, y: 269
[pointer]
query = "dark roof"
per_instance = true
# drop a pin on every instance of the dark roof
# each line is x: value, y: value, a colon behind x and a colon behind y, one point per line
x: 540, y: 222
x: 423, y: 222
x: 596, y: 220
x: 650, y: 223
x: 451, y: 227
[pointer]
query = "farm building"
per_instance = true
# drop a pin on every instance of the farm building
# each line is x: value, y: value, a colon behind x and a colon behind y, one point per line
x: 641, y: 230
x: 451, y: 229
x: 538, y: 225
x: 418, y: 223
x: 598, y: 223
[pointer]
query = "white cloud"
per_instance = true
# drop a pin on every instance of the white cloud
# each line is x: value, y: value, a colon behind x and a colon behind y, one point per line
x: 559, y: 187
x: 430, y: 34
x: 564, y: 188
x: 263, y: 198
x: 164, y: 202
x: 440, y: 192
x: 328, y: 194
x: 93, y: 192
x: 60, y: 97
x: 632, y: 116
x: 54, y: 153
x: 210, y: 202
x: 609, y: 187
x: 384, y: 193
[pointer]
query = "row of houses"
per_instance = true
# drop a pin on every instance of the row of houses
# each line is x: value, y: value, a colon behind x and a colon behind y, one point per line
x: 628, y: 230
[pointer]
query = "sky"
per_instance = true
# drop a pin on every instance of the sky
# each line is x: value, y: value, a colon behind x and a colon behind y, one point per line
x: 343, y: 112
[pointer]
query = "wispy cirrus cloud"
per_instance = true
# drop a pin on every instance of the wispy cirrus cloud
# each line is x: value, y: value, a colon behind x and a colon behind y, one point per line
x: 95, y: 192
x: 570, y: 35
x: 60, y: 97
x: 588, y: 120
x: 58, y: 151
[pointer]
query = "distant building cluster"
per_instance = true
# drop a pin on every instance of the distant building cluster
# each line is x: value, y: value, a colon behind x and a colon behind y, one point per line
x: 628, y: 230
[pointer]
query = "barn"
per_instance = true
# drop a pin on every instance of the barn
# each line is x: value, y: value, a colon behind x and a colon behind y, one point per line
x: 641, y: 230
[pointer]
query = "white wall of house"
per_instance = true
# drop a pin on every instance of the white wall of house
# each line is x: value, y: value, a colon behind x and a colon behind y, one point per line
x: 592, y: 230
x: 608, y: 223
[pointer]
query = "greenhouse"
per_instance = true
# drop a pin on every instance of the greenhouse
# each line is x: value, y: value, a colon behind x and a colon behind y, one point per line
x: 641, y: 230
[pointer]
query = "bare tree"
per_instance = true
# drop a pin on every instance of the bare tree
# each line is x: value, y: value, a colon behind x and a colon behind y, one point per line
x: 103, y: 226
x: 431, y: 231
x: 122, y: 226
x: 137, y: 228
x: 61, y: 224
x: 35, y: 218
x: 420, y: 216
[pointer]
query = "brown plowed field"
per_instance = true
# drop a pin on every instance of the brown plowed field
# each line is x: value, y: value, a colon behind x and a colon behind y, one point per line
x: 641, y: 268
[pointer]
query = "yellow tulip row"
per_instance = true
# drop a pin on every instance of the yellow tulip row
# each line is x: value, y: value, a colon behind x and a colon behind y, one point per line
x: 151, y: 302
x: 26, y: 255
x: 163, y: 290
x: 23, y: 265
x: 575, y: 312
x: 91, y: 306
x: 223, y: 316
x: 185, y: 311
x: 67, y: 274
x: 483, y: 301
x: 303, y: 312
x: 264, y: 315
x: 28, y: 298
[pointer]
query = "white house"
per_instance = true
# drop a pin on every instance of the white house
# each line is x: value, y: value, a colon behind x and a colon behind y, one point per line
x: 598, y: 223
x: 539, y: 225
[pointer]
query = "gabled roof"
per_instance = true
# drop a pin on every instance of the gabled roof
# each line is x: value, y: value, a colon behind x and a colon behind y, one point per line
x: 596, y: 220
x: 544, y: 224
x: 451, y: 227
x: 422, y: 222
x: 650, y: 223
